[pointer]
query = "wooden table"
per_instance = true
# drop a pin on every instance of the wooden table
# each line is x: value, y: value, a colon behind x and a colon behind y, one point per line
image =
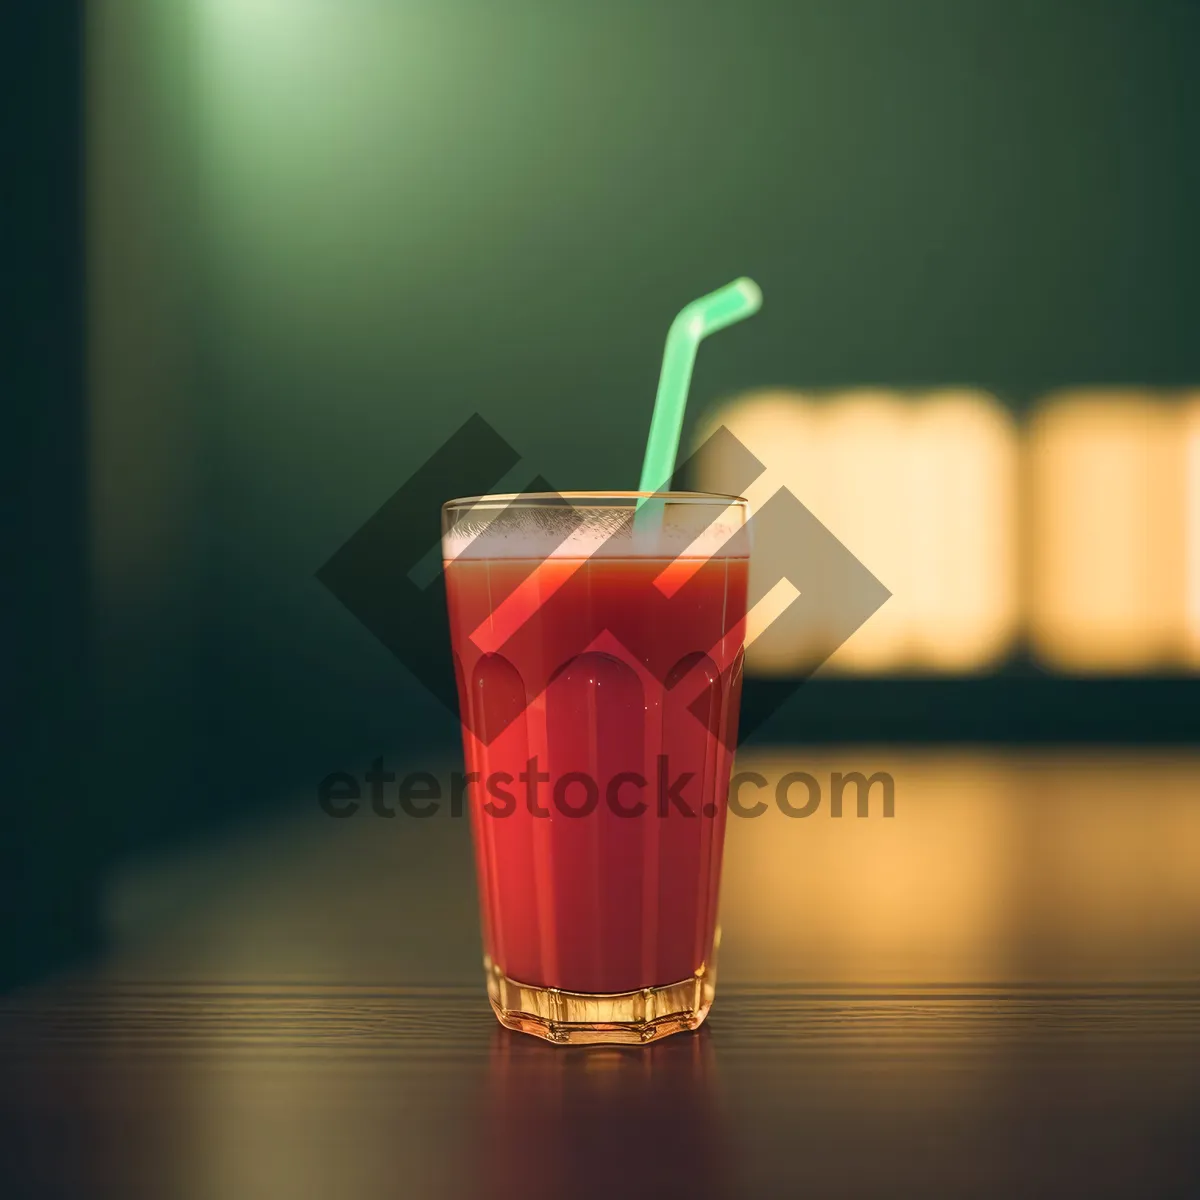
x: 298, y: 1013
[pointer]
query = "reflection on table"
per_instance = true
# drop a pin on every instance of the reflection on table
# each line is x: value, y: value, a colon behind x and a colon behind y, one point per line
x: 996, y: 867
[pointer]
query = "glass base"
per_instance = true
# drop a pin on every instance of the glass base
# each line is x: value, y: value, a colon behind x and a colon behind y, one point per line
x: 587, y: 1019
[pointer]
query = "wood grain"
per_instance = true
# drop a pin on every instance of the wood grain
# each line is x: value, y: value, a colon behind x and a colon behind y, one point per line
x: 297, y: 1089
x: 318, y: 1019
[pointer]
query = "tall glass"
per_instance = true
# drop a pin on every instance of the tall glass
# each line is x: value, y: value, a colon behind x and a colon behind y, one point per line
x: 598, y: 648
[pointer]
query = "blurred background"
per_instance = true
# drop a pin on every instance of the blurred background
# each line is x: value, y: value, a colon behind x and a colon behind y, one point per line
x: 268, y: 256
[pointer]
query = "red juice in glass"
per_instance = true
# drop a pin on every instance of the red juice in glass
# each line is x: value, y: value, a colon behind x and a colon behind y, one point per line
x: 598, y: 653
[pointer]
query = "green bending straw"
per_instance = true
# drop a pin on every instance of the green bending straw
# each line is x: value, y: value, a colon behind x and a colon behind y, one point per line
x: 734, y: 302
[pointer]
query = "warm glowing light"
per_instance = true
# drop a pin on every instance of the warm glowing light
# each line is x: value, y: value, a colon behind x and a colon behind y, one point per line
x: 1106, y: 532
x: 962, y: 588
x: 862, y: 497
x: 922, y: 490
x: 780, y: 429
x: 1191, y: 451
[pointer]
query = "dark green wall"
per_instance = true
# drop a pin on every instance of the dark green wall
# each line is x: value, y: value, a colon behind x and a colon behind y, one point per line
x: 329, y: 233
x: 50, y: 857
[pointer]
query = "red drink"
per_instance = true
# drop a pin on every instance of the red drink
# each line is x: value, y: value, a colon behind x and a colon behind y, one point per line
x: 599, y: 690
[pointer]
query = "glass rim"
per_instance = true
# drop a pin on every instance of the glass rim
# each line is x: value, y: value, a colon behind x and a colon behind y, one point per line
x: 616, y: 499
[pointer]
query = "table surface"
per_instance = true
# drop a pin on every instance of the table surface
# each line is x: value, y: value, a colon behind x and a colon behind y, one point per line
x: 995, y: 992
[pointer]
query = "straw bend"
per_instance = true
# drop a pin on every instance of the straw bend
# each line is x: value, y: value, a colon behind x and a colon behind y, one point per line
x: 735, y: 302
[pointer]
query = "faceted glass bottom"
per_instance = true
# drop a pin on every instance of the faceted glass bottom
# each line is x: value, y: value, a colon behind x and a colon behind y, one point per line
x: 584, y: 1018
